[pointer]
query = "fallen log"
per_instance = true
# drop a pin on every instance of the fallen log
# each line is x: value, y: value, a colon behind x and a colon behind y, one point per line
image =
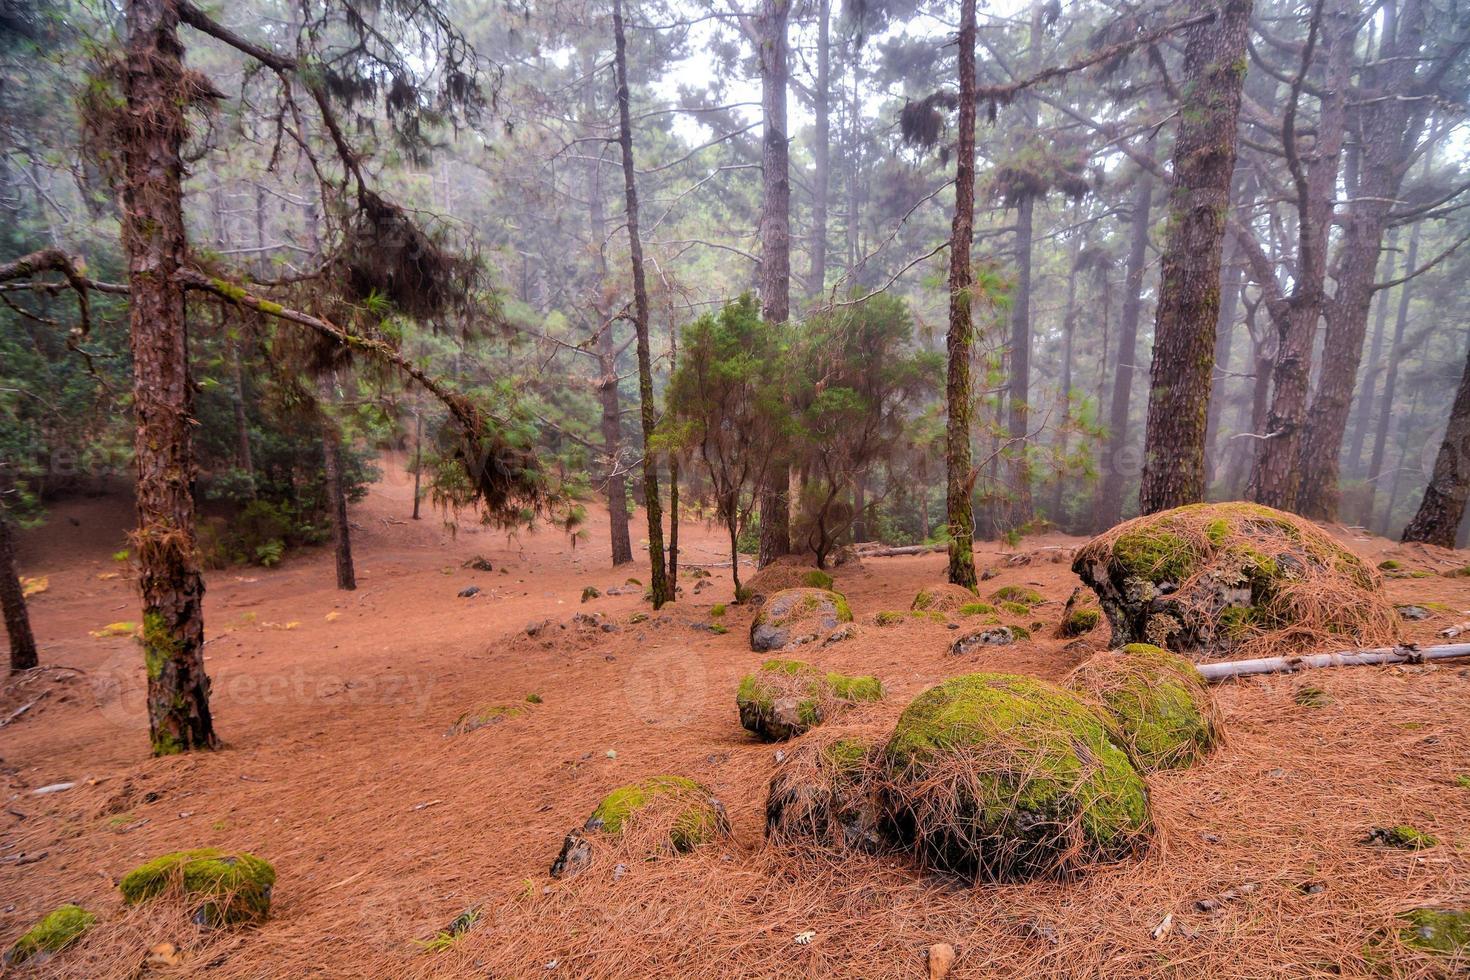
x: 1343, y: 658
x: 908, y: 549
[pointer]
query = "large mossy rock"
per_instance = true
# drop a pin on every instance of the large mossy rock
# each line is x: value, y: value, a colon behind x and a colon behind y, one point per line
x: 55, y: 931
x: 1004, y: 777
x: 790, y: 572
x: 942, y: 598
x: 1160, y: 708
x: 793, y: 617
x: 231, y: 889
x: 826, y: 794
x: 1215, y: 578
x: 788, y: 697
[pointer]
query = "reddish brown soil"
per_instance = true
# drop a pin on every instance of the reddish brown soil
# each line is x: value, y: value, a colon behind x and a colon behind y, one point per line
x: 382, y: 829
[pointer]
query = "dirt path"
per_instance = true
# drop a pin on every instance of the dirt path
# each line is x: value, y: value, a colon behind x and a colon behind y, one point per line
x: 334, y: 708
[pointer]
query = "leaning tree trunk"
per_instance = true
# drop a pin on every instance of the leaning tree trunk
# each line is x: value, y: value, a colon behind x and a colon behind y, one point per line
x: 332, y: 478
x: 775, y: 236
x: 660, y: 588
x: 1189, y: 290
x: 1443, y: 506
x: 13, y: 603
x: 961, y: 323
x: 1110, y: 496
x: 153, y: 238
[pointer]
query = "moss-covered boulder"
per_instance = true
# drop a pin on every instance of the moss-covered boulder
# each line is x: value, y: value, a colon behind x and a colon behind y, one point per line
x: 1018, y: 595
x: 793, y: 617
x: 690, y: 812
x: 943, y: 598
x: 1438, y: 930
x: 1005, y: 777
x: 826, y: 793
x: 55, y: 931
x: 1079, y: 621
x: 1158, y: 705
x: 989, y: 636
x: 788, y: 697
x: 1209, y: 579
x: 230, y: 889
x: 785, y: 573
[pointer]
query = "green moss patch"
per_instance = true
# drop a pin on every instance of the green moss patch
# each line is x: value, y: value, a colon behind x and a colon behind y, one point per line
x: 788, y: 697
x: 942, y: 598
x: 977, y: 609
x: 677, y: 807
x: 1079, y: 621
x: 1157, y: 704
x: 1001, y: 777
x: 1403, y: 837
x: 57, y: 930
x: 235, y: 888
x: 1436, y: 930
x: 1018, y: 595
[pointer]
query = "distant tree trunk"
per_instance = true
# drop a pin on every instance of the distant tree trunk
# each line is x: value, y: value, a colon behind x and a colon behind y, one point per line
x: 859, y: 508
x: 659, y: 586
x: 1443, y: 506
x: 333, y: 479
x: 961, y: 322
x: 1368, y: 389
x: 1276, y: 478
x: 821, y: 150
x: 1069, y: 332
x: 12, y: 601
x: 1388, y: 130
x: 1189, y: 290
x: 153, y: 238
x: 418, y: 454
x: 1232, y: 273
x: 673, y: 478
x: 1408, y: 425
x: 607, y: 352
x: 1110, y: 495
x: 775, y: 236
x: 1390, y: 385
x: 243, y: 457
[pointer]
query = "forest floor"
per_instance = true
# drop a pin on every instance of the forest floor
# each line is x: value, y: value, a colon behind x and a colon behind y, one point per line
x: 334, y: 709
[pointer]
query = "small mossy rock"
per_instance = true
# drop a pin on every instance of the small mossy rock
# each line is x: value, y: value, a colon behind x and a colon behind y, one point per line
x: 793, y: 617
x: 234, y: 888
x: 692, y: 814
x: 990, y: 636
x: 1160, y: 708
x: 826, y: 794
x: 1005, y: 777
x: 57, y: 930
x: 1018, y: 594
x: 1079, y: 621
x: 788, y: 697
x: 1209, y: 579
x: 1412, y: 613
x: 576, y: 853
x: 942, y: 598
x: 1438, y: 930
x: 1403, y: 836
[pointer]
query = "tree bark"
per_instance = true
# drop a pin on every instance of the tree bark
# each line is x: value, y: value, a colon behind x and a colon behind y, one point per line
x: 1189, y: 293
x: 1368, y: 389
x: 1069, y: 334
x: 659, y: 586
x: 12, y: 602
x: 418, y: 454
x: 1110, y: 496
x: 1232, y: 274
x: 775, y: 236
x: 1443, y: 506
x: 1018, y: 390
x: 154, y: 241
x: 959, y: 468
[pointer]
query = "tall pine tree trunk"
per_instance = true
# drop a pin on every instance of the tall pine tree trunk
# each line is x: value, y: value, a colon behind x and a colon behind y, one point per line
x: 961, y: 322
x: 152, y: 222
x: 659, y: 586
x: 13, y: 603
x: 1189, y: 290
x: 821, y: 150
x: 1018, y: 391
x: 1390, y: 385
x: 1443, y: 506
x: 775, y: 236
x: 1069, y: 334
x: 1368, y: 389
x: 607, y: 356
x: 1110, y: 496
x: 1232, y: 274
